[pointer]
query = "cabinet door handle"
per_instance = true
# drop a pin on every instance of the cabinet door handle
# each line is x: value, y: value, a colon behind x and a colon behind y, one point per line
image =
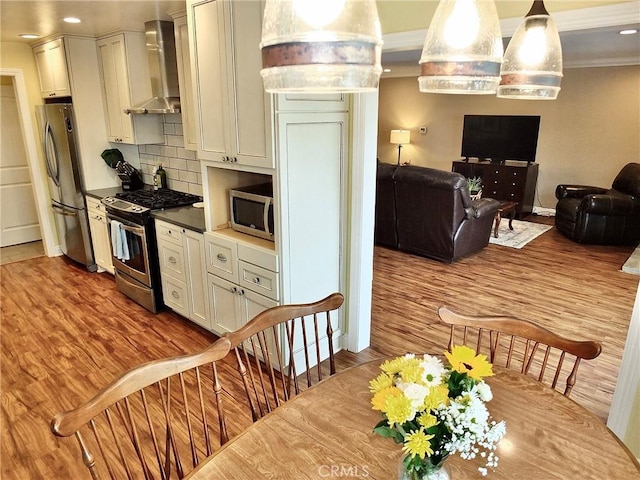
x: 233, y: 289
x: 172, y: 260
x: 221, y: 258
x: 241, y: 292
x: 235, y: 160
x: 175, y: 294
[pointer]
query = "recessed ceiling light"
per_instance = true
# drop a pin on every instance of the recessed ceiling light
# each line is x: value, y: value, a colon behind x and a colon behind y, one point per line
x: 28, y: 35
x: 386, y: 70
x: 71, y: 20
x: 630, y: 31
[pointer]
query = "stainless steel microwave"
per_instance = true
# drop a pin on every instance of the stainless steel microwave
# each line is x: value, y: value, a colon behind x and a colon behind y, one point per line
x: 252, y: 210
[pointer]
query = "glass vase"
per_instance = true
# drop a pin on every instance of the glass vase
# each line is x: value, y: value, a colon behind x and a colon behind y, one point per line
x: 440, y: 471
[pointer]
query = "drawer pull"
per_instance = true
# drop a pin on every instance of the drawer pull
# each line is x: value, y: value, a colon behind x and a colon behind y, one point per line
x: 173, y: 260
x: 256, y: 280
x: 175, y: 294
x: 221, y: 257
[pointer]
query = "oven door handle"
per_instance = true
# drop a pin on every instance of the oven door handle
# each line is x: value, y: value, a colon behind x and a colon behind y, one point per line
x: 126, y: 225
x: 136, y: 230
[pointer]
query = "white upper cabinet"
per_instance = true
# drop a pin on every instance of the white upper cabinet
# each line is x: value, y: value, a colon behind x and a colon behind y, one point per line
x: 124, y: 70
x: 52, y: 69
x: 185, y: 82
x: 233, y: 111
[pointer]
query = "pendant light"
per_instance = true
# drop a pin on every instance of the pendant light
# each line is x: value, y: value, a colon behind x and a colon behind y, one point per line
x: 532, y: 66
x: 321, y: 46
x: 463, y: 49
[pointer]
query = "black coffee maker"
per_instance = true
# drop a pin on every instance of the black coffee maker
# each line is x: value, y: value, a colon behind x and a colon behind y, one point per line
x: 130, y: 177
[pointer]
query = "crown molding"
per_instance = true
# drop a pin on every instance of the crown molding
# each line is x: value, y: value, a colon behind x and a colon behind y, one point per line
x: 568, y: 20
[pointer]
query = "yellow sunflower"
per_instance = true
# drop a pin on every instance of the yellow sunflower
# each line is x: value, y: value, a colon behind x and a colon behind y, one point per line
x: 464, y: 360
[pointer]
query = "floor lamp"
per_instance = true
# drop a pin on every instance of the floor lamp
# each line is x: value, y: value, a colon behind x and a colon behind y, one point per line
x: 400, y: 137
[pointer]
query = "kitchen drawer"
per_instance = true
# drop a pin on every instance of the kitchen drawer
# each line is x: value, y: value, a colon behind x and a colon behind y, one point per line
x: 172, y: 260
x: 258, y: 256
x: 259, y: 280
x: 95, y: 205
x: 175, y: 296
x: 222, y: 256
x: 169, y: 232
x: 97, y: 215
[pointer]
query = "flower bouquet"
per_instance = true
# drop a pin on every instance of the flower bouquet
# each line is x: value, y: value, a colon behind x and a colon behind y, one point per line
x: 436, y: 410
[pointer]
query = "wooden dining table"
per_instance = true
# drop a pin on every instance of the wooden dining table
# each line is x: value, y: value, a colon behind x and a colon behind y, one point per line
x: 327, y: 432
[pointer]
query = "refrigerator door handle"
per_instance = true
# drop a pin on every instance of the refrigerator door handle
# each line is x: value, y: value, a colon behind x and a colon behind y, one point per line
x: 53, y: 173
x: 64, y: 211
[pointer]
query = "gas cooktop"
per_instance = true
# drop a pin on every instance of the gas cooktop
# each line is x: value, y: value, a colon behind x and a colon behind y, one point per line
x: 158, y: 199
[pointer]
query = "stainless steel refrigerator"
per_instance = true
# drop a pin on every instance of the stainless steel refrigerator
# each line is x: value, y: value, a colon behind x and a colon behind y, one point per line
x: 66, y: 186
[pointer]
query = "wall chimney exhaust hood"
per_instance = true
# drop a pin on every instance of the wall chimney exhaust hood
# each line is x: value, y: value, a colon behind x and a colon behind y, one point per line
x: 163, y: 68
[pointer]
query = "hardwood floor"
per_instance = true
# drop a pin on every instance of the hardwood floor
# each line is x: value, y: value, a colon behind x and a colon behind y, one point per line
x: 23, y: 251
x: 66, y: 332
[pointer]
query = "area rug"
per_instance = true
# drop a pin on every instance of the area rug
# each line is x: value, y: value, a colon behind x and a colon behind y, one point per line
x: 632, y: 265
x: 522, y: 233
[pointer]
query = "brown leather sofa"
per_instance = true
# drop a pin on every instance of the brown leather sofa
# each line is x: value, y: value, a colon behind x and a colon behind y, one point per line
x: 429, y: 212
x: 597, y: 215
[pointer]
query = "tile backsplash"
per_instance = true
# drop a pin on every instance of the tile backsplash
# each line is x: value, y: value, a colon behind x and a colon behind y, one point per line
x: 182, y: 166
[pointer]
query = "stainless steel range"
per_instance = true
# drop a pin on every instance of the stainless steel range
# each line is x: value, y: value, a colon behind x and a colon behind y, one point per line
x: 133, y: 241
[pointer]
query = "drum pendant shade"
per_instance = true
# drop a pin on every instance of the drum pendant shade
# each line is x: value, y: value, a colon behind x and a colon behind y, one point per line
x: 321, y: 46
x: 532, y: 66
x: 463, y: 49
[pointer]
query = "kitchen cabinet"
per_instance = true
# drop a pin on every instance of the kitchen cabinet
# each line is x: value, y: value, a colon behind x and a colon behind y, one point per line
x: 52, y: 69
x: 243, y: 278
x: 183, y: 58
x: 310, y: 201
x: 182, y: 271
x: 233, y: 110
x: 79, y: 61
x: 311, y: 148
x: 100, y: 238
x: 124, y: 71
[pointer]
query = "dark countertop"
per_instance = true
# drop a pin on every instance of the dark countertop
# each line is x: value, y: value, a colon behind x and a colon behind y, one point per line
x: 103, y: 192
x: 191, y: 218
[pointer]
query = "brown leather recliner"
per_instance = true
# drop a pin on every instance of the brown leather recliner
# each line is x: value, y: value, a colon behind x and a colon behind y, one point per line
x: 597, y: 215
x: 434, y: 214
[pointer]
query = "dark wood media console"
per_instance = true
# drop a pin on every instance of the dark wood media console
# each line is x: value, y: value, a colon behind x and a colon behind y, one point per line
x: 508, y: 181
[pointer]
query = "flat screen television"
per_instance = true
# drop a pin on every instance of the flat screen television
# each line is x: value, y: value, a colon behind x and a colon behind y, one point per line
x: 500, y: 137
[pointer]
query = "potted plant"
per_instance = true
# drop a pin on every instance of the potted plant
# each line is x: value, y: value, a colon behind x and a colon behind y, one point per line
x: 474, y: 184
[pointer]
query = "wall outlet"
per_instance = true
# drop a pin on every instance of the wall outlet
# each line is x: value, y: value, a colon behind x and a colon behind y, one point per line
x: 423, y: 130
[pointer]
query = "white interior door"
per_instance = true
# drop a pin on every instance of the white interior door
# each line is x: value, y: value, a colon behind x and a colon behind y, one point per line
x: 18, y: 214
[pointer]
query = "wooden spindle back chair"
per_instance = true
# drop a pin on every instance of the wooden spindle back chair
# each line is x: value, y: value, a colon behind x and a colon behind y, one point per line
x: 523, y: 345
x: 282, y: 343
x: 156, y: 421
